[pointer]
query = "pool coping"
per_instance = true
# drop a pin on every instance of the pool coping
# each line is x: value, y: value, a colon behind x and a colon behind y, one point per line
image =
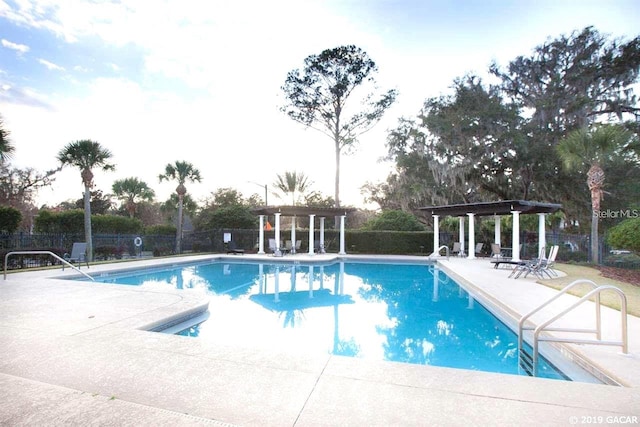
x: 556, y: 353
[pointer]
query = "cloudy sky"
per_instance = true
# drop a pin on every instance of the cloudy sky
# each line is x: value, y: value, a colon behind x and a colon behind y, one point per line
x: 156, y: 81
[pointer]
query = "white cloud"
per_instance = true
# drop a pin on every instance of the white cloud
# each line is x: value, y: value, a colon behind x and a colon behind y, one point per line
x: 50, y: 65
x: 20, y: 48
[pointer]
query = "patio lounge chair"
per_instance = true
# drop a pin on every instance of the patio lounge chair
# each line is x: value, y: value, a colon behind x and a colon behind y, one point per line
x: 78, y: 255
x: 232, y: 248
x: 479, y: 247
x: 539, y: 266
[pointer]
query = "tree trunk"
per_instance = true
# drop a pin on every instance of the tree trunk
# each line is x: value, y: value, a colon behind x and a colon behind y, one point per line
x: 179, y: 225
x: 337, y: 184
x: 337, y: 180
x: 87, y: 222
x: 595, y: 182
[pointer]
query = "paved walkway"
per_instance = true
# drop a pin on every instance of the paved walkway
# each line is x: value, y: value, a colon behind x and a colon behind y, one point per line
x: 73, y: 353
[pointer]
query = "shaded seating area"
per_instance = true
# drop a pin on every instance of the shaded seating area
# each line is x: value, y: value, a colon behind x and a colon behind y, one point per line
x: 496, y: 209
x: 322, y: 213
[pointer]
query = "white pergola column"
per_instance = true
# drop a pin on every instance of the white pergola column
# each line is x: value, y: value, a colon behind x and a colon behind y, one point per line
x: 261, y: 236
x: 277, y: 221
x: 293, y: 235
x: 322, y: 235
x: 436, y: 234
x: 342, y: 252
x: 461, y: 235
x: 515, y: 238
x: 542, y: 236
x: 496, y: 231
x: 472, y: 237
x: 311, y: 241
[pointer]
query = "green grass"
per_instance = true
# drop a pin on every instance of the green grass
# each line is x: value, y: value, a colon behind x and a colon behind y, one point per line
x: 609, y: 299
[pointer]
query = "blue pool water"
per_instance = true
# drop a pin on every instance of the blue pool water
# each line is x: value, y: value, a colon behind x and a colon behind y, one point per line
x: 410, y: 313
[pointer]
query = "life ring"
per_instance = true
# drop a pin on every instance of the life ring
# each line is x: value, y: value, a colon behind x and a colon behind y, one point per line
x: 137, y: 241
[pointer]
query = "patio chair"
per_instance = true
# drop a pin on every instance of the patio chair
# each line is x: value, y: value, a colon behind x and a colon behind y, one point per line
x: 276, y: 251
x: 547, y: 265
x: 538, y: 266
x: 232, y: 248
x: 457, y: 249
x: 479, y: 247
x: 78, y: 255
x: 496, y: 251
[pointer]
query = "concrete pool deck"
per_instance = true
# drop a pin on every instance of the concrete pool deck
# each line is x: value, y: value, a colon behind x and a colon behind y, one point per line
x: 73, y: 353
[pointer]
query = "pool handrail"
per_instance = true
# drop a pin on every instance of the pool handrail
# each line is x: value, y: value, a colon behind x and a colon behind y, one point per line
x: 437, y: 253
x: 624, y: 339
x: 64, y: 261
x: 596, y: 290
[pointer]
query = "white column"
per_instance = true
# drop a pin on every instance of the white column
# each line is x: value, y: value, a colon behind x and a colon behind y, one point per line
x: 472, y: 237
x: 261, y: 238
x: 496, y: 232
x: 342, y: 252
x: 436, y: 234
x: 542, y: 236
x: 311, y: 242
x: 293, y: 235
x: 277, y: 252
x: 515, y: 238
x: 322, y: 235
x: 461, y: 235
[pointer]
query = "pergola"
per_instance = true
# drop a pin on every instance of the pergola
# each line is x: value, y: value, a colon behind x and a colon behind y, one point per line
x: 294, y: 211
x: 495, y: 209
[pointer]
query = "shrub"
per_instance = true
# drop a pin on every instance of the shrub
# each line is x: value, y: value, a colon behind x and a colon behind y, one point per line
x: 72, y: 221
x: 160, y: 230
x: 625, y: 235
x: 394, y: 220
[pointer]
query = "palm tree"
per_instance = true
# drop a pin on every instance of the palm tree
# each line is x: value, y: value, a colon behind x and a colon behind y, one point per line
x: 86, y: 155
x: 130, y: 191
x: 6, y: 146
x: 584, y: 148
x: 291, y: 183
x: 181, y: 172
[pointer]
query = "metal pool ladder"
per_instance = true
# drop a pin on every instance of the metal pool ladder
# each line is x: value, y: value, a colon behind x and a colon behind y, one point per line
x: 529, y: 362
x: 64, y: 261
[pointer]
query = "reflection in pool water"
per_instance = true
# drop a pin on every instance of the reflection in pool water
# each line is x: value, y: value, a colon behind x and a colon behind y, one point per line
x: 410, y: 313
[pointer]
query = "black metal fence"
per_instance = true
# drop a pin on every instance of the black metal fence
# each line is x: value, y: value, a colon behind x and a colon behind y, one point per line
x: 573, y: 247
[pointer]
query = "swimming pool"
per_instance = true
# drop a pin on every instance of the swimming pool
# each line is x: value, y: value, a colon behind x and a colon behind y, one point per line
x: 412, y: 313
